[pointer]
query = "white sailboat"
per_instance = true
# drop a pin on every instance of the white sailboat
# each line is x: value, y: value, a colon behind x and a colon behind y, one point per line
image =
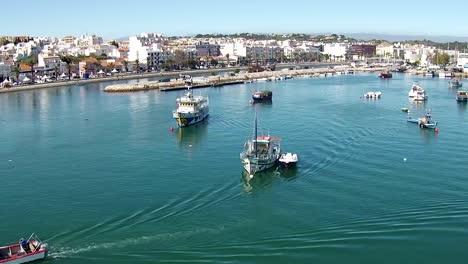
x: 260, y: 152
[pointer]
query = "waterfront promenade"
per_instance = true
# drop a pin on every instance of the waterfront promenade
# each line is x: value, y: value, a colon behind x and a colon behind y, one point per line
x: 145, y: 75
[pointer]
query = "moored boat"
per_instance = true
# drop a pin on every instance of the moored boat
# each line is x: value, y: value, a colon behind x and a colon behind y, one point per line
x: 417, y: 93
x: 386, y: 75
x: 262, y: 96
x: 455, y: 83
x: 288, y: 160
x: 191, y: 109
x: 423, y: 122
x: 24, y: 251
x: 372, y: 95
x: 260, y: 153
x: 462, y: 96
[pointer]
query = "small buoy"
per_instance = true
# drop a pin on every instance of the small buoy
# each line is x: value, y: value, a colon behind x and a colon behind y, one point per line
x: 251, y: 176
x: 9, y: 160
x: 250, y: 101
x: 436, y: 130
x: 404, y: 159
x: 171, y: 129
x: 190, y: 146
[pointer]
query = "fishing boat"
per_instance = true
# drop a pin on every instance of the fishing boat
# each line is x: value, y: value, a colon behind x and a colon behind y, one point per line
x: 288, y: 160
x: 462, y: 96
x: 262, y: 96
x: 455, y: 83
x: 386, y: 75
x: 373, y: 95
x: 24, y: 251
x: 417, y: 93
x: 260, y: 152
x: 191, y: 109
x: 424, y: 122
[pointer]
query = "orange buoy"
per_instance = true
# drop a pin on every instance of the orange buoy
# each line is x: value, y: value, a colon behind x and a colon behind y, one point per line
x: 436, y: 130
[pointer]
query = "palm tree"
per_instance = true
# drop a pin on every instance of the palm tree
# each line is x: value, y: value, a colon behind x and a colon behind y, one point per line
x: 125, y: 64
x: 69, y: 60
x: 30, y: 61
x: 137, y: 62
x: 56, y: 71
x: 227, y: 57
x: 16, y: 70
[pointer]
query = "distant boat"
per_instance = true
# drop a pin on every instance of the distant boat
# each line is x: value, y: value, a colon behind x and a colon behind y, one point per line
x: 372, y: 95
x: 455, y: 83
x: 404, y: 109
x: 262, y: 96
x: 429, y: 74
x: 462, y: 96
x: 288, y: 160
x: 260, y: 152
x: 417, y: 93
x: 424, y: 122
x: 386, y: 75
x: 191, y: 109
x: 25, y: 251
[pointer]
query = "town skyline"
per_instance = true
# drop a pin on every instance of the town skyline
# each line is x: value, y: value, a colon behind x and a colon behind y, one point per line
x: 114, y: 20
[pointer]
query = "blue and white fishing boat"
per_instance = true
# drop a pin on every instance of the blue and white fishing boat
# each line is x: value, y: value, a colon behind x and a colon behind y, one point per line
x: 191, y: 109
x: 424, y: 122
x: 260, y: 153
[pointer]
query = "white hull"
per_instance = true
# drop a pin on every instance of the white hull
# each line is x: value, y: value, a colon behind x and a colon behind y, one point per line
x: 26, y: 259
x: 187, y: 119
x: 252, y: 166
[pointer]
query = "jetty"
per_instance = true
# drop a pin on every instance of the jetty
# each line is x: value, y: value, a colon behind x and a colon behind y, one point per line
x: 213, y: 81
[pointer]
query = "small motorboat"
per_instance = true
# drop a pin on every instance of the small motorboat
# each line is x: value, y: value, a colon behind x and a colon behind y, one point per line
x: 24, y: 251
x: 404, y: 109
x: 372, y: 95
x: 417, y: 93
x: 455, y: 83
x: 386, y: 75
x: 424, y: 122
x: 288, y: 159
x: 462, y: 96
x: 262, y: 96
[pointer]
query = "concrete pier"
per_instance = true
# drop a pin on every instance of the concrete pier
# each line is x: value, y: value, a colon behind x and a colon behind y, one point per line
x: 226, y: 80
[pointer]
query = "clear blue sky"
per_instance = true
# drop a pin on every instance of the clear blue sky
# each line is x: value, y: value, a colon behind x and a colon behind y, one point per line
x: 114, y: 19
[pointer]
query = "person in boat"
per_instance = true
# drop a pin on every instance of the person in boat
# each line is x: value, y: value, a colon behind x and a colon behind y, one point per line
x: 24, y: 245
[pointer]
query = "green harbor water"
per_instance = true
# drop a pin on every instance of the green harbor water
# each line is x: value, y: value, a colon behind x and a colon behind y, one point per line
x: 102, y: 179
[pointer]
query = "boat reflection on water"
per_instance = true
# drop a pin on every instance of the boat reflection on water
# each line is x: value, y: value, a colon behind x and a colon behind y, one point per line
x: 417, y: 104
x: 264, y: 179
x: 191, y: 136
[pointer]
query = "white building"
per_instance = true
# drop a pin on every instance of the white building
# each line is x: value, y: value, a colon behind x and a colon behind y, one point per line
x: 48, y: 62
x: 462, y: 61
x: 336, y: 50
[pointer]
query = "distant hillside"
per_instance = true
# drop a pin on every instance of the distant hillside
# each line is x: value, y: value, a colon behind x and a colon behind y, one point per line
x: 393, y: 38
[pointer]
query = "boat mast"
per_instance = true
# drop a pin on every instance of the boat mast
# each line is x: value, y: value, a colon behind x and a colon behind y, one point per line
x: 255, y: 139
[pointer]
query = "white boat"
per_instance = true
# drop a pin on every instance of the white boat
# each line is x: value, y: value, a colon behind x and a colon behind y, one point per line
x: 455, y: 83
x: 462, y: 96
x: 260, y: 153
x: 25, y: 251
x: 288, y: 159
x: 417, y: 93
x: 373, y: 95
x: 191, y: 109
x: 429, y: 74
x: 423, y: 122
